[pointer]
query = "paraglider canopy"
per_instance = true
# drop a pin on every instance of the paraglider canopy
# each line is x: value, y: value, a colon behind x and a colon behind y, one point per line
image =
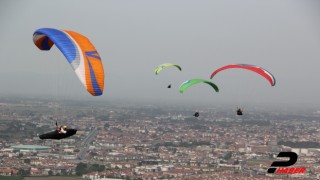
x: 79, y: 52
x: 160, y: 67
x: 259, y: 70
x: 185, y: 85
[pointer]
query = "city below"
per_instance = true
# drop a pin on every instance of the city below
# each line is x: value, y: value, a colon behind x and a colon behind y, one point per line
x: 129, y: 141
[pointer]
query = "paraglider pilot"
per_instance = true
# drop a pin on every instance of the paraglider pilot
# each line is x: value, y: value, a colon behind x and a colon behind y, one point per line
x: 239, y: 111
x: 61, y: 129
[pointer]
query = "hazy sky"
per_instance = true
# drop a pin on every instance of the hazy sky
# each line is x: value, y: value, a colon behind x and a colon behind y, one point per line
x: 133, y: 37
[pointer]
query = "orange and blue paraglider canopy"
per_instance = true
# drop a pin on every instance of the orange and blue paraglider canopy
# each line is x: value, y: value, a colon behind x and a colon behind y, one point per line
x: 79, y: 52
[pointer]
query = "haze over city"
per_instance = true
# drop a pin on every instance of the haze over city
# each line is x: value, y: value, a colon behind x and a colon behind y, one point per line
x: 135, y: 37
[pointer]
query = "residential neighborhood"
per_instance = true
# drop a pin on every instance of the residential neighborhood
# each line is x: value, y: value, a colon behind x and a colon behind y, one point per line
x: 132, y: 142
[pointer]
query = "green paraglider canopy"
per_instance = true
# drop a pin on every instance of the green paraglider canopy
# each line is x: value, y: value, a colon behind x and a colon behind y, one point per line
x: 191, y: 82
x: 160, y: 67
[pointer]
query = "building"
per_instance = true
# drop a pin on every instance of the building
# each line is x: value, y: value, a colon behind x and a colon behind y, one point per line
x: 31, y: 148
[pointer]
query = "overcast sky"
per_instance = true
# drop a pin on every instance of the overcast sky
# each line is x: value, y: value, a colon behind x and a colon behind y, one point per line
x: 134, y: 37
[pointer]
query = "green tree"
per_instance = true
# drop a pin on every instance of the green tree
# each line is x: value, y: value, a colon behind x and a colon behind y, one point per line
x: 227, y: 156
x: 24, y: 172
x: 106, y: 126
x: 64, y: 172
x: 81, y: 169
x: 102, y: 168
x: 94, y: 167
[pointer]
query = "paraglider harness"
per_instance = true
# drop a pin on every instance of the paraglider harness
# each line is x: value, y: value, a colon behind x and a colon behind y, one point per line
x: 61, y: 132
x: 239, y: 112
